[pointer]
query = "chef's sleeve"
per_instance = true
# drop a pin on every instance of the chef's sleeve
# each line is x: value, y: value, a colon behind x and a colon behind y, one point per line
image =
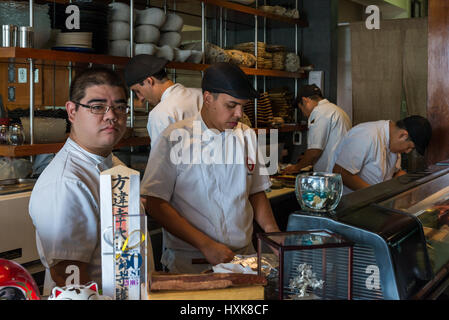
x: 160, y: 174
x: 353, y: 151
x: 68, y: 228
x: 318, y: 133
x: 157, y: 123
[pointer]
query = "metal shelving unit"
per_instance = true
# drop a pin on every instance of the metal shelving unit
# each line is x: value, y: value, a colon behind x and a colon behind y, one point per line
x: 42, y: 56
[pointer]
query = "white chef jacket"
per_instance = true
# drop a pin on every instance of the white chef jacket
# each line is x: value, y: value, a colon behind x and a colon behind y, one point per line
x: 365, y: 151
x: 177, y: 103
x: 213, y: 197
x: 65, y: 209
x: 327, y: 125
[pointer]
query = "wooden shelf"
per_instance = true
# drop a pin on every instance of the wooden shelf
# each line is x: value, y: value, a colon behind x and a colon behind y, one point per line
x: 55, y: 55
x: 224, y: 4
x: 286, y: 128
x: 34, y: 149
x: 257, y: 12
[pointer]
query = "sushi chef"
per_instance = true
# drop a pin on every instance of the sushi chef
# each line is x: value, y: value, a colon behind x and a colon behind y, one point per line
x: 146, y: 76
x: 327, y: 125
x: 370, y: 153
x: 207, y: 207
x: 65, y: 202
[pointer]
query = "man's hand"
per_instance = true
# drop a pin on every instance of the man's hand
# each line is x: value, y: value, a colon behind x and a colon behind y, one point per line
x: 216, y: 253
x: 291, y: 169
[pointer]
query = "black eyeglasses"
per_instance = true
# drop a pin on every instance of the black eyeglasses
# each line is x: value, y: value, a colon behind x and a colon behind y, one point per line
x: 102, y: 108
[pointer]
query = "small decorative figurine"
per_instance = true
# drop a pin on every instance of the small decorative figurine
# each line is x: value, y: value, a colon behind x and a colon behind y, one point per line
x: 77, y: 292
x: 306, y: 278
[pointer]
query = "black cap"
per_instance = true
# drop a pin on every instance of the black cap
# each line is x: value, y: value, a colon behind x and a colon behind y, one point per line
x: 224, y: 77
x: 308, y: 91
x: 419, y: 130
x: 141, y: 67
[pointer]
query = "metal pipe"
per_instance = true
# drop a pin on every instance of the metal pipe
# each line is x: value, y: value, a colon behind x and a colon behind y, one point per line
x: 31, y: 13
x: 31, y: 78
x: 203, y: 31
x: 131, y: 54
x: 174, y: 70
x: 296, y: 52
x: 225, y: 40
x: 221, y: 27
x: 70, y: 73
x: 257, y: 65
x: 265, y: 41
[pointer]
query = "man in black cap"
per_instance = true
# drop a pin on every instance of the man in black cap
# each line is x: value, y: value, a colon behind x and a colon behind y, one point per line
x: 370, y: 152
x: 327, y: 124
x: 146, y: 76
x: 195, y: 185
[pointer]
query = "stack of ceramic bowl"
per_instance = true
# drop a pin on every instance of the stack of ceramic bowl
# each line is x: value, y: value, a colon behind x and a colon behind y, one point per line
x: 119, y: 29
x: 147, y: 34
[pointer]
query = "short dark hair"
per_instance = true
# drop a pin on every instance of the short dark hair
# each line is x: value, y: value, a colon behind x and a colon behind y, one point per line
x: 94, y: 77
x: 161, y: 75
x: 400, y: 124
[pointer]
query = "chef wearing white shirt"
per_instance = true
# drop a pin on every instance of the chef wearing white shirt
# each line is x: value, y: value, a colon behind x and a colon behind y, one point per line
x: 370, y: 153
x: 327, y: 125
x: 205, y: 205
x: 65, y: 202
x: 146, y: 76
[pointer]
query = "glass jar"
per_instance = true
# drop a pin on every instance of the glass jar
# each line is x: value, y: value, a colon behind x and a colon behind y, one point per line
x: 16, y: 136
x: 4, y: 134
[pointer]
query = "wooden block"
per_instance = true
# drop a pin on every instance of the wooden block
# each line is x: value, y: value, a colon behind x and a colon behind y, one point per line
x: 232, y: 293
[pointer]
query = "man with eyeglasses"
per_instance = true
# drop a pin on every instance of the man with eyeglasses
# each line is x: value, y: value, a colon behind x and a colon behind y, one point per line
x: 146, y: 76
x: 65, y: 202
x: 370, y: 152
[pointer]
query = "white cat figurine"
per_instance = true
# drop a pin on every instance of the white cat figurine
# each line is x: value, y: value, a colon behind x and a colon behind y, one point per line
x: 77, y: 292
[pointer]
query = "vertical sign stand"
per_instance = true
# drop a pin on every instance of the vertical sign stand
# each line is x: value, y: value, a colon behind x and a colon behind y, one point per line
x: 123, y: 235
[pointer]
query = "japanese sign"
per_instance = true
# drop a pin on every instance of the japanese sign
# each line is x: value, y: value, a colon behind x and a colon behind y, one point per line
x: 124, y: 236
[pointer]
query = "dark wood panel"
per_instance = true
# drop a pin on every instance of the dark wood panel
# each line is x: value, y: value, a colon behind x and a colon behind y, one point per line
x: 438, y: 80
x: 33, y: 149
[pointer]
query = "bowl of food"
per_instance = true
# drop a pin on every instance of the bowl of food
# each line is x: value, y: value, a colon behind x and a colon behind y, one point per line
x: 318, y: 191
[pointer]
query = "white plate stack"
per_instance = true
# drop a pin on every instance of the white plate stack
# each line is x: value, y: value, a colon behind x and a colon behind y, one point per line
x: 74, y: 39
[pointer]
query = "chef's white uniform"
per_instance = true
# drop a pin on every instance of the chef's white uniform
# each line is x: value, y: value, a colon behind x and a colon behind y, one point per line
x: 177, y: 103
x: 327, y: 126
x: 365, y: 151
x: 65, y: 209
x: 211, y: 194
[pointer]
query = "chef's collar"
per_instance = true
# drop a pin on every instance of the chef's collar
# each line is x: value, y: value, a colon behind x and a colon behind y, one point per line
x: 101, y: 163
x: 168, y: 91
x: 323, y: 101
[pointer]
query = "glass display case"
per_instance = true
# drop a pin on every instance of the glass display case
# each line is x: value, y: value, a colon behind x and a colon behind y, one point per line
x: 400, y: 231
x: 315, y: 264
x: 429, y: 203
